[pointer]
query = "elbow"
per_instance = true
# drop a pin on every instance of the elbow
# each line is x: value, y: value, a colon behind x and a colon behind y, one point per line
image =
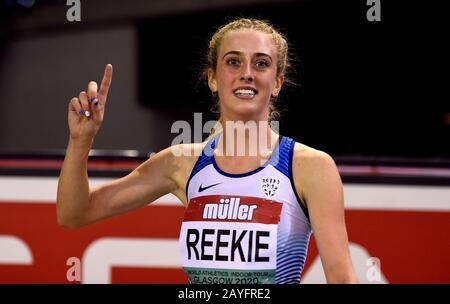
x: 66, y: 220
x: 66, y: 223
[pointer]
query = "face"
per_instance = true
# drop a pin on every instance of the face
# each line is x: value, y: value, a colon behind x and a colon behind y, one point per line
x: 246, y: 75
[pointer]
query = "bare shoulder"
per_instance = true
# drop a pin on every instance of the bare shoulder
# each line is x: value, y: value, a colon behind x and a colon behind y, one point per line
x: 310, y: 159
x: 185, y: 155
x: 179, y: 161
x: 177, y: 156
x: 173, y: 163
x: 312, y: 170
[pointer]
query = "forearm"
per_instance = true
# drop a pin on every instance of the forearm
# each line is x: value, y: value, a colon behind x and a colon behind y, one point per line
x: 73, y: 187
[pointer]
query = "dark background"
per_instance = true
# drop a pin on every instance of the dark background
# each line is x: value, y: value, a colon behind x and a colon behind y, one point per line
x: 375, y: 89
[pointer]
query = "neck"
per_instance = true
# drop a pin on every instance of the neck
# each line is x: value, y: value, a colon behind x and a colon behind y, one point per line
x: 251, y: 138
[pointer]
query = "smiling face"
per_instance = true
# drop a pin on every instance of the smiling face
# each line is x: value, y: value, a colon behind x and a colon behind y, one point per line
x: 246, y: 75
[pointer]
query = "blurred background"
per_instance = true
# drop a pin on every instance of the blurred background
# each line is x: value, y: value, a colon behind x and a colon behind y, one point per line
x: 374, y: 95
x: 363, y: 88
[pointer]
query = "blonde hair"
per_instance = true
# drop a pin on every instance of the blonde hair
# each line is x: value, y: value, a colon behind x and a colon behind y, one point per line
x: 280, y: 42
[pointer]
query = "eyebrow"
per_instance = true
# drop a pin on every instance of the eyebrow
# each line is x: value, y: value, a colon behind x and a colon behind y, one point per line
x: 240, y: 53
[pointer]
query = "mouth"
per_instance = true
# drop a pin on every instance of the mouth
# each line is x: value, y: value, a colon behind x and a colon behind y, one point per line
x: 245, y: 93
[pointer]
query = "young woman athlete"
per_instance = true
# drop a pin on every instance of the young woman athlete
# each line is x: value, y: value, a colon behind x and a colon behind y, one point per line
x: 252, y: 197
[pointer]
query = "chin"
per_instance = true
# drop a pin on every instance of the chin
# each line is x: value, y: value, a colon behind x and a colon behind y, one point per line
x: 245, y: 109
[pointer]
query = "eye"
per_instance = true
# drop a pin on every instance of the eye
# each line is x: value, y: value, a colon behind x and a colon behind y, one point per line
x: 233, y: 61
x: 261, y: 64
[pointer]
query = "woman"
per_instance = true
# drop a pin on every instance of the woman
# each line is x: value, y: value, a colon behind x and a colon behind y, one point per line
x: 249, y: 216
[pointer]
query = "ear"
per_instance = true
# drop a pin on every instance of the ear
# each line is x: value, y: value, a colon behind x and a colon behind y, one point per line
x: 278, y: 83
x: 212, y: 82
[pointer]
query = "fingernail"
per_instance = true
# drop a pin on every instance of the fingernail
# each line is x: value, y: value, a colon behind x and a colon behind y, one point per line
x: 87, y: 113
x: 96, y: 103
x: 92, y: 99
x: 81, y: 112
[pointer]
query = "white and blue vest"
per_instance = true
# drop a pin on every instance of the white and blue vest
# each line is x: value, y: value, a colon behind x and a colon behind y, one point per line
x: 244, y: 228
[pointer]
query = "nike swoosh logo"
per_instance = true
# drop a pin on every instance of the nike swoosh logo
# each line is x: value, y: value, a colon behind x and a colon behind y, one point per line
x: 200, y: 189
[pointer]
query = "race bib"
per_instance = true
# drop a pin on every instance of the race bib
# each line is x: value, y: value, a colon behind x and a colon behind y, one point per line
x: 230, y: 239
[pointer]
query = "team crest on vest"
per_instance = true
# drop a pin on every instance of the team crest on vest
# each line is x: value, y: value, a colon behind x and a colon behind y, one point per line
x: 270, y: 185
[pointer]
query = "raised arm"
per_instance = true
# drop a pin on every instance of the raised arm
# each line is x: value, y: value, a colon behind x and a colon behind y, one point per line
x: 77, y: 204
x: 317, y: 177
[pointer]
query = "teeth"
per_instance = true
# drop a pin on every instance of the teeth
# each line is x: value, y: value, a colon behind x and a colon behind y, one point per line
x: 244, y: 92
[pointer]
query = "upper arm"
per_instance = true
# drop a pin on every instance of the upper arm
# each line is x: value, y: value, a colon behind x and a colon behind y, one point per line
x: 149, y: 181
x: 316, y: 174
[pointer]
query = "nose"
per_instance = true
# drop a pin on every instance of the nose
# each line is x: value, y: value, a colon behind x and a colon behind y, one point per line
x: 247, y: 78
x: 247, y: 75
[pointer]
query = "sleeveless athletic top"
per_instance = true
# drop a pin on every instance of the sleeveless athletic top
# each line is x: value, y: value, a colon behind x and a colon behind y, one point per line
x: 244, y: 228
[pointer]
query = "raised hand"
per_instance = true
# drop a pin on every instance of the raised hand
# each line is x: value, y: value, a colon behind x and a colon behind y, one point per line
x: 87, y: 110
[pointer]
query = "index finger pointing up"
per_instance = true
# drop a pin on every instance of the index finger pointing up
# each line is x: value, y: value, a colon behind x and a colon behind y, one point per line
x: 106, y: 83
